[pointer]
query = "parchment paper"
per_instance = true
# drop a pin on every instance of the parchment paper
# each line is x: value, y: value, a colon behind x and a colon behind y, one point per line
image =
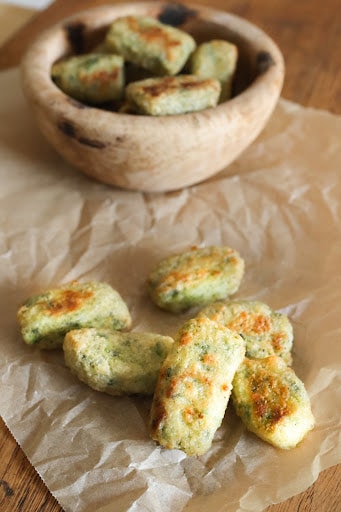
x: 278, y: 205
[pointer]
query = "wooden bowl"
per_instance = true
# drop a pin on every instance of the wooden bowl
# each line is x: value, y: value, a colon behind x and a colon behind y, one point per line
x: 154, y: 153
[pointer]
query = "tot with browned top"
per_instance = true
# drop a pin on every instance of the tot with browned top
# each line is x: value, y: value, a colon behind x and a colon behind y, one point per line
x: 171, y: 95
x: 143, y: 40
x: 266, y: 332
x: 46, y: 318
x: 194, y: 386
x: 272, y: 401
x: 195, y: 277
x: 92, y: 78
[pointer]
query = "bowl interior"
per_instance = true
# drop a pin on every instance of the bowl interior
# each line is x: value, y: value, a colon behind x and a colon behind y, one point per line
x: 83, y: 32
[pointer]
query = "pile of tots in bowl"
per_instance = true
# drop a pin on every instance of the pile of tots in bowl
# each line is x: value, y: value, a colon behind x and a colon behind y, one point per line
x: 146, y: 67
x: 228, y: 348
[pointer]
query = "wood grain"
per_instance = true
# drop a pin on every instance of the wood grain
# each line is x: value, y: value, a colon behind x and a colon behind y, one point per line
x: 309, y: 35
x: 21, y: 488
x: 15, y: 17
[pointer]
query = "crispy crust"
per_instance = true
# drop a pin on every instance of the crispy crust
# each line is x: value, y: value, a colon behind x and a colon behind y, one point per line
x: 93, y: 78
x: 265, y: 331
x: 45, y: 318
x: 143, y: 40
x: 272, y: 401
x: 194, y: 386
x: 171, y: 95
x: 195, y: 278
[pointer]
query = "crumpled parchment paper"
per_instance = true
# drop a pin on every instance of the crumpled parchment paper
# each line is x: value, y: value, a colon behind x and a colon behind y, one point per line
x: 278, y: 205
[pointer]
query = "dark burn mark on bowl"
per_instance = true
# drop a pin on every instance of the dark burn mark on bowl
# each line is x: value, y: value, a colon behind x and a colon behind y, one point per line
x: 69, y: 130
x: 93, y: 143
x: 176, y: 14
x: 264, y: 61
x: 75, y: 35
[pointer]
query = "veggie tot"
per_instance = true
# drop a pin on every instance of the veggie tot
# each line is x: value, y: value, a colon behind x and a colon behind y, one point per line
x: 145, y: 41
x: 117, y: 363
x: 171, y: 95
x: 93, y: 78
x: 195, y: 278
x: 194, y: 386
x: 46, y: 318
x: 216, y: 59
x: 265, y: 332
x: 272, y: 401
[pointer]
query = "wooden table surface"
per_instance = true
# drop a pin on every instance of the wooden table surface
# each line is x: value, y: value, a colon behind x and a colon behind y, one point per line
x: 308, y: 33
